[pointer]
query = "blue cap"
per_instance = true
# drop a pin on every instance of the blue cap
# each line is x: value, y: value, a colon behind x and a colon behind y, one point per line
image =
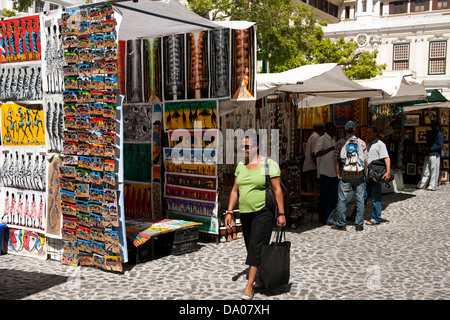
x: 350, y: 125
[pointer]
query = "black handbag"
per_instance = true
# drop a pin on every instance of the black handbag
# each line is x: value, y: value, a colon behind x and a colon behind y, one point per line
x: 271, y: 200
x: 274, y: 270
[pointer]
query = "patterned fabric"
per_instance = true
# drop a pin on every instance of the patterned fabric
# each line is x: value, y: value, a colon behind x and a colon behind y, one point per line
x: 336, y: 155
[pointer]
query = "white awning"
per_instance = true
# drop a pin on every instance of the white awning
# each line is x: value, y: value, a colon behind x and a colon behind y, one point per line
x: 397, y: 88
x: 153, y: 18
x: 318, y: 80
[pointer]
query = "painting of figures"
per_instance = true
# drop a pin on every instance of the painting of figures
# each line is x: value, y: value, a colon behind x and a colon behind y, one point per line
x: 184, y: 114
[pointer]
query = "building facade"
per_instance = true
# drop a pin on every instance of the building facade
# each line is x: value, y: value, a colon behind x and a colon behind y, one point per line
x: 409, y: 35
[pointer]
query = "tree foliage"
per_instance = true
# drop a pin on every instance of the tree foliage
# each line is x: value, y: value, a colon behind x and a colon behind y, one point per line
x: 289, y: 35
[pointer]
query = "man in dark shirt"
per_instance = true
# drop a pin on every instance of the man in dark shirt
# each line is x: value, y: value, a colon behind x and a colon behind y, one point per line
x: 430, y: 172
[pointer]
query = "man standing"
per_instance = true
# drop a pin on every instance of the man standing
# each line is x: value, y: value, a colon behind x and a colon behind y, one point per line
x: 325, y: 169
x: 430, y: 172
x: 350, y: 162
x: 377, y: 151
x: 310, y: 165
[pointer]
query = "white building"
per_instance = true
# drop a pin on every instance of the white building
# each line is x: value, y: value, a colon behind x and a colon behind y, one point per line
x: 409, y: 35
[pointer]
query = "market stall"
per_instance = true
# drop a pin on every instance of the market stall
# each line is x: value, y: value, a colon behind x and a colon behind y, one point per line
x: 86, y: 111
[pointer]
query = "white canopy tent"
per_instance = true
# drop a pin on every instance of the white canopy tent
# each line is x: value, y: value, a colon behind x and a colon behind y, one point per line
x: 397, y: 88
x: 326, y: 80
x: 156, y: 18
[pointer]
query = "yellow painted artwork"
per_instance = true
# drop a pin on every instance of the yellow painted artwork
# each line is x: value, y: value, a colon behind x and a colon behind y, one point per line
x: 22, y: 125
x: 308, y: 116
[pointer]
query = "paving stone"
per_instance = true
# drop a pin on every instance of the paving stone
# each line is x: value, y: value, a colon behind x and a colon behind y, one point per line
x: 410, y: 252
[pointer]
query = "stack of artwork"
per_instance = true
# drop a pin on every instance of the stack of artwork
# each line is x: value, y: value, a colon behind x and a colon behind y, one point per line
x: 23, y: 154
x: 89, y: 170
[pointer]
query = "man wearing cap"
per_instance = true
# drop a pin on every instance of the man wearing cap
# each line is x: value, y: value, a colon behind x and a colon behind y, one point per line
x: 430, y: 172
x: 350, y: 180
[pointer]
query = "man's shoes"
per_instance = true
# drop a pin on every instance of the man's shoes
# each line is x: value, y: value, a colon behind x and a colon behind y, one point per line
x: 359, y: 228
x: 429, y: 189
x: 372, y: 222
x: 341, y: 228
x: 328, y: 223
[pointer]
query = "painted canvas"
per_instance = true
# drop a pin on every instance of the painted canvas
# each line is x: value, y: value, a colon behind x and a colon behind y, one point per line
x: 52, y: 52
x: 26, y: 243
x: 174, y: 67
x: 20, y: 39
x: 152, y: 54
x: 243, y: 57
x: 133, y: 71
x: 22, y: 125
x: 185, y: 114
x: 220, y: 63
x: 54, y: 213
x: 197, y: 69
x: 137, y: 123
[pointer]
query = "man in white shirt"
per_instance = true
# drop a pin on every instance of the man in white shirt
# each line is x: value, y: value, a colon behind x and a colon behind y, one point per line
x: 310, y: 165
x: 377, y: 151
x: 327, y: 173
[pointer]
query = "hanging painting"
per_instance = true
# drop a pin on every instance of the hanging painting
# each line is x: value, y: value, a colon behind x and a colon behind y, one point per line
x: 133, y: 71
x: 137, y: 123
x: 152, y: 69
x: 184, y: 114
x: 243, y: 57
x: 220, y: 63
x: 197, y: 69
x: 174, y: 67
x: 22, y: 125
x: 52, y: 53
x: 20, y: 39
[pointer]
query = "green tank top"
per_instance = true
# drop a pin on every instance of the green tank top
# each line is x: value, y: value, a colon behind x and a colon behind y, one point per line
x: 252, y: 185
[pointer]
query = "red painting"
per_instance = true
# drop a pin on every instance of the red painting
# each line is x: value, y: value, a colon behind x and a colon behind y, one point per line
x: 20, y: 39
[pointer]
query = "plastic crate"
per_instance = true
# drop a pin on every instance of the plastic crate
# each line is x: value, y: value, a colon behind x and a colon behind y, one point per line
x: 3, y: 236
x: 186, y: 234
x: 184, y: 247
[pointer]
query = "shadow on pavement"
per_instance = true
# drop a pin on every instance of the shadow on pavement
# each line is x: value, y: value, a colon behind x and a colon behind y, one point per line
x: 311, y: 221
x: 17, y: 284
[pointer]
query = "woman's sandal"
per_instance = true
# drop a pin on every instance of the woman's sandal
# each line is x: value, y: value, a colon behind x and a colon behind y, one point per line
x: 247, y: 296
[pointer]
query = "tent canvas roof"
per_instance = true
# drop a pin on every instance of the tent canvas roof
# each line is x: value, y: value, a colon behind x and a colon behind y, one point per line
x: 153, y: 18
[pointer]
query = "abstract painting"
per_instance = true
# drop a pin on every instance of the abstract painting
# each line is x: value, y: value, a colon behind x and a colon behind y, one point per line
x: 197, y: 69
x: 220, y: 63
x: 174, y: 67
x: 243, y: 59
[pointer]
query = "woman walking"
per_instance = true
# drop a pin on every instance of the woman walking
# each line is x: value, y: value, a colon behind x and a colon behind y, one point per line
x: 256, y: 218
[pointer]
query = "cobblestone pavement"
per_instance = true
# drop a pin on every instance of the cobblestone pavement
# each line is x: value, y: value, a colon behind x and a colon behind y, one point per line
x: 404, y: 258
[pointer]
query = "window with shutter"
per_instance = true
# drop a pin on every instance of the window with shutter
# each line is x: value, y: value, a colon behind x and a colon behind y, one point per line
x: 401, y: 57
x: 437, y: 57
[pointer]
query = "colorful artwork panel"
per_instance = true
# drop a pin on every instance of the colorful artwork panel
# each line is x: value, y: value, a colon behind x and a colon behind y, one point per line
x: 188, y: 114
x: 26, y: 243
x: 243, y: 58
x: 138, y: 198
x: 54, y: 212
x: 20, y: 39
x: 22, y: 125
x: 152, y: 54
x: 197, y: 69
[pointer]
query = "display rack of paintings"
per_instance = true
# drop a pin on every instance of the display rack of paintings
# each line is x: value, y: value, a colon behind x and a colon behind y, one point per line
x: 91, y: 197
